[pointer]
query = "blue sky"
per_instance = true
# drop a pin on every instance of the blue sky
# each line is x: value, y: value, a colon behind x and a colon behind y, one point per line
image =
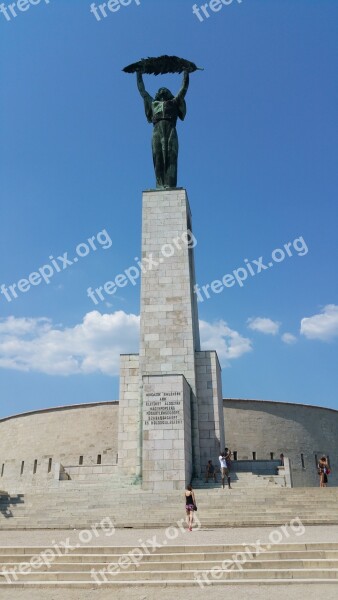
x: 258, y: 157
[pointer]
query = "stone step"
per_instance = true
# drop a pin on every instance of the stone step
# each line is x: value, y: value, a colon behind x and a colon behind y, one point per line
x: 70, y: 485
x: 105, y: 496
x: 177, y: 507
x: 174, y: 511
x: 163, y: 566
x: 178, y: 576
x: 182, y: 550
x: 64, y: 525
x: 176, y: 565
x: 227, y: 499
x: 218, y: 492
x: 227, y: 503
x: 80, y: 585
x: 10, y: 560
x: 216, y: 499
x: 167, y: 518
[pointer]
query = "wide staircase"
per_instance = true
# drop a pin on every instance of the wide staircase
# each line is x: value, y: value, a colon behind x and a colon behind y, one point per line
x: 238, y: 481
x: 74, y: 504
x: 198, y: 565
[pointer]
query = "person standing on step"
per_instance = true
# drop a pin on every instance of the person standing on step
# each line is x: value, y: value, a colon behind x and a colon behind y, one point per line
x: 224, y: 469
x: 228, y: 455
x: 323, y: 471
x: 190, y: 506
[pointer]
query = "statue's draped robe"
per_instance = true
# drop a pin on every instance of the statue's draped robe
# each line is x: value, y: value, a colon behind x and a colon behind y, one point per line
x: 164, y: 115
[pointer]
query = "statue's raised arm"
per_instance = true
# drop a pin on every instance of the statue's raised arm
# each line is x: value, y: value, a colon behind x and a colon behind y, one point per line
x: 140, y: 85
x: 185, y: 85
x: 148, y: 100
x: 181, y: 105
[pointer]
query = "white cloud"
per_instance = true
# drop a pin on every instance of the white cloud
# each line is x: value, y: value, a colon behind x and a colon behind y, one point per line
x: 323, y: 326
x: 93, y: 346
x: 228, y: 343
x: 264, y: 325
x: 22, y: 326
x: 289, y: 338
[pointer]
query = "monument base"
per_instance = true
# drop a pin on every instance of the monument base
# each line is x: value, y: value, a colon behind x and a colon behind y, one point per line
x: 167, y: 456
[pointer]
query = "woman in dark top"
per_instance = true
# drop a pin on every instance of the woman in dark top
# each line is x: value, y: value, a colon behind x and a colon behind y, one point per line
x: 323, y: 471
x: 190, y: 503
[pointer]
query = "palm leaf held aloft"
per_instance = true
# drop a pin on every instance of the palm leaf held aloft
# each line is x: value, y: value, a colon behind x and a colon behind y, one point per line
x: 162, y: 65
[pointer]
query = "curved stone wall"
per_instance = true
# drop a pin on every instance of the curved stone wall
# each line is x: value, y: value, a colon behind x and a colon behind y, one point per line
x: 56, y: 435
x: 32, y: 443
x: 301, y: 432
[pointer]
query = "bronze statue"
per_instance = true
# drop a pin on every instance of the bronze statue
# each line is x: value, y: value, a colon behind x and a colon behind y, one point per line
x: 163, y: 111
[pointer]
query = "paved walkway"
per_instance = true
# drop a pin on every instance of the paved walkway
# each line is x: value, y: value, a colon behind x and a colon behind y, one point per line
x: 132, y: 537
x: 240, y: 592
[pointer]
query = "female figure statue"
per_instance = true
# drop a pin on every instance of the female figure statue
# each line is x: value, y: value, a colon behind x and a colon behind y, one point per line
x: 163, y: 111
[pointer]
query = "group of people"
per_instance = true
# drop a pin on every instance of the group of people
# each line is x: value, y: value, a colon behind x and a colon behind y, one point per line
x: 225, y: 466
x: 190, y: 500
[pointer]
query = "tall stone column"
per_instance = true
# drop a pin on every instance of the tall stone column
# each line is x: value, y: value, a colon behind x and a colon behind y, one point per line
x: 171, y: 407
x: 169, y: 320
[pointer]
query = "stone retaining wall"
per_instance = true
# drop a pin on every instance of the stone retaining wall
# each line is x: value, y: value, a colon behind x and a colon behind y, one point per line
x: 63, y: 435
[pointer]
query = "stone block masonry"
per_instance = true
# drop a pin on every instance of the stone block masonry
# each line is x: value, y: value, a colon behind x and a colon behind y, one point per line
x: 129, y: 436
x: 169, y: 318
x: 170, y: 394
x: 210, y: 407
x: 167, y: 456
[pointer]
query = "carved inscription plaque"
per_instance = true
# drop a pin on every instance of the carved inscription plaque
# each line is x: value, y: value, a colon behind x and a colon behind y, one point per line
x: 163, y: 408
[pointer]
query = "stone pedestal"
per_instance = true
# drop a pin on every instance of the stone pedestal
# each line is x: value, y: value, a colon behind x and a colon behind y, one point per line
x: 171, y: 407
x: 169, y: 319
x: 167, y: 456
